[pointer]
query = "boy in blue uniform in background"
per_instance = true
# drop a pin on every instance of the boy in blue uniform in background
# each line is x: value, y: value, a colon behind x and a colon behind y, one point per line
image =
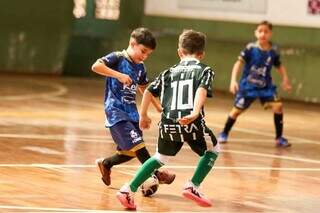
x: 256, y: 82
x: 125, y: 74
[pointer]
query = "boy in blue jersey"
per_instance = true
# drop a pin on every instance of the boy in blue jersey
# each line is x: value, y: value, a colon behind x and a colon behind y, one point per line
x: 182, y: 89
x: 256, y: 82
x: 125, y: 74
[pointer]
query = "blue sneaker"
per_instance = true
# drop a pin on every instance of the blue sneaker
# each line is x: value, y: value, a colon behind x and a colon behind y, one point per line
x: 282, y: 142
x: 222, y: 137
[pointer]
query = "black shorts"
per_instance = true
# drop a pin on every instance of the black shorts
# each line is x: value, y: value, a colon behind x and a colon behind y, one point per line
x: 171, y: 143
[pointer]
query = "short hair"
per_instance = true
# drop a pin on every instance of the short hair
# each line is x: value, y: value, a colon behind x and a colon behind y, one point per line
x: 145, y: 37
x: 266, y: 23
x: 192, y: 41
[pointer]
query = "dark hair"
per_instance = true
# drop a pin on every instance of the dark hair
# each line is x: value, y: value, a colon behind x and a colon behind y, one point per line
x: 267, y: 23
x: 192, y: 41
x: 145, y: 37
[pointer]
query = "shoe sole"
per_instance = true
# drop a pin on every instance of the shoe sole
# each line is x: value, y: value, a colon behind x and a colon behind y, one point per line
x: 283, y: 146
x: 196, y: 199
x: 124, y: 203
x: 100, y: 167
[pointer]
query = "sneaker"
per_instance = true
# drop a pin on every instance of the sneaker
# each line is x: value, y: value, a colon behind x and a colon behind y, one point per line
x: 222, y: 137
x: 126, y: 197
x: 165, y: 177
x: 105, y: 172
x: 191, y: 192
x: 282, y: 142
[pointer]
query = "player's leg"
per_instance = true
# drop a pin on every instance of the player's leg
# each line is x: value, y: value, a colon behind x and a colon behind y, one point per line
x: 205, y: 165
x: 125, y: 194
x: 240, y: 105
x: 106, y: 164
x: 128, y: 140
x: 164, y: 176
x: 277, y: 107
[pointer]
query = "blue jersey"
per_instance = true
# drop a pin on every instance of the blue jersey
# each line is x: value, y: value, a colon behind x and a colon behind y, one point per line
x: 256, y: 80
x: 120, y: 100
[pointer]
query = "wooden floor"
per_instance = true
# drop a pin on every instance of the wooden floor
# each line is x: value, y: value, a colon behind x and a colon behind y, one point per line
x: 52, y: 130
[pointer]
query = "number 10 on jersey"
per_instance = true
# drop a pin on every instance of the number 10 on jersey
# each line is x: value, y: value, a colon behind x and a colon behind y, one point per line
x: 182, y: 94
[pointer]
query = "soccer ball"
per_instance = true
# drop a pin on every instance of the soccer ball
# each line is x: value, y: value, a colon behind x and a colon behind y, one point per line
x: 150, y: 186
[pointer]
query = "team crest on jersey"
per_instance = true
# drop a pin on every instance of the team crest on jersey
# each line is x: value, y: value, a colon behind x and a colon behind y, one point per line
x: 135, y: 136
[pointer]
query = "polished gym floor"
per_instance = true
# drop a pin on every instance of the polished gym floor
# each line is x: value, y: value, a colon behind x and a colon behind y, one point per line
x: 52, y: 130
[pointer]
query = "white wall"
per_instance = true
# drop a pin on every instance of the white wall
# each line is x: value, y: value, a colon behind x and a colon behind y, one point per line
x: 279, y: 12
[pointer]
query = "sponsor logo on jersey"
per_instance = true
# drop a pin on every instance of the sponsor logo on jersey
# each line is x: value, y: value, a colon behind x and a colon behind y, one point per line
x: 135, y: 136
x: 129, y: 94
x: 176, y: 128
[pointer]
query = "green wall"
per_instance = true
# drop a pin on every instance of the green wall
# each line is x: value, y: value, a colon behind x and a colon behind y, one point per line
x: 93, y: 38
x: 34, y: 35
x: 41, y: 36
x: 300, y: 49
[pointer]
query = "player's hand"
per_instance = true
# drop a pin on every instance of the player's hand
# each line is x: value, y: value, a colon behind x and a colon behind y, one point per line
x: 286, y: 86
x: 144, y: 122
x: 188, y: 119
x: 125, y: 79
x: 234, y: 87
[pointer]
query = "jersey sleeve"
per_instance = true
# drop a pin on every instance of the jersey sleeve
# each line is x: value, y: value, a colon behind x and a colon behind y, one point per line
x: 245, y: 53
x: 276, y: 61
x: 206, y: 80
x: 110, y: 60
x: 143, y: 79
x: 155, y: 87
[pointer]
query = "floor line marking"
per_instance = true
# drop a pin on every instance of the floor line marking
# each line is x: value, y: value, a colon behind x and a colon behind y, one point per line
x: 104, y: 139
x: 59, y: 90
x: 48, y: 166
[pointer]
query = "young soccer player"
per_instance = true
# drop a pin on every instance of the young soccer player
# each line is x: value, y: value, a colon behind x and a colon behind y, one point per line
x: 125, y: 74
x: 256, y: 82
x: 182, y: 89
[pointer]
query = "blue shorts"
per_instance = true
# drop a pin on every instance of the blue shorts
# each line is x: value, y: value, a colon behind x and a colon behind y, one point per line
x: 128, y: 137
x: 243, y: 100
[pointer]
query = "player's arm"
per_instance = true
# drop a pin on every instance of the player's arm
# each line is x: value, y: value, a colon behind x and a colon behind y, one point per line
x: 199, y: 100
x: 100, y: 68
x: 286, y: 85
x: 145, y: 121
x: 234, y: 86
x: 155, y: 102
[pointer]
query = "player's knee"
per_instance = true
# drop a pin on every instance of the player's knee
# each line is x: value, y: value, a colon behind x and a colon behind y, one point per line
x: 277, y: 107
x: 235, y: 112
x: 215, y: 148
x: 163, y: 159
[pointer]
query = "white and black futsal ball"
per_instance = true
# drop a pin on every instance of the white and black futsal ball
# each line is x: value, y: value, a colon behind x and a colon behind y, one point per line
x: 150, y: 186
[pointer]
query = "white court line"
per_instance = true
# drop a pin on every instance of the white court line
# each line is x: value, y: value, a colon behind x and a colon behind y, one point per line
x: 87, y: 210
x: 105, y: 138
x: 53, y: 209
x: 53, y: 166
x: 78, y: 102
x: 304, y: 160
x: 257, y: 132
x: 59, y: 90
x: 63, y: 137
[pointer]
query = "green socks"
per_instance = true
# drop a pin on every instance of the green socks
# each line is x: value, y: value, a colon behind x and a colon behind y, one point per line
x: 205, y: 164
x: 144, y: 173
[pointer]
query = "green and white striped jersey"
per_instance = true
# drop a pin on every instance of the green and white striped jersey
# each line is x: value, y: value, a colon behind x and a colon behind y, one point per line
x: 176, y: 87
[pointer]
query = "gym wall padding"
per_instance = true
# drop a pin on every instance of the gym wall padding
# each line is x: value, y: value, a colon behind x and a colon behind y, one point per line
x: 34, y: 35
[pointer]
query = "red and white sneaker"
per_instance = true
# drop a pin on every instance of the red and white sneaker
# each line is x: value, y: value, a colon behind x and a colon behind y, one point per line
x: 191, y: 192
x: 126, y: 197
